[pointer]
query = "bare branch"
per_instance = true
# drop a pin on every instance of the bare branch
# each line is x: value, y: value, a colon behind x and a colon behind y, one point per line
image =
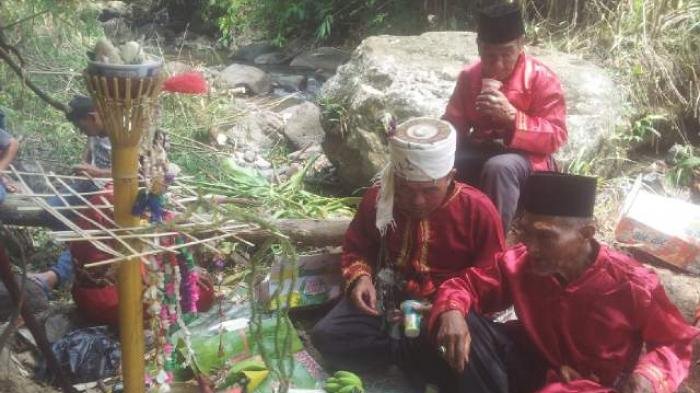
x: 7, y: 58
x: 25, y: 19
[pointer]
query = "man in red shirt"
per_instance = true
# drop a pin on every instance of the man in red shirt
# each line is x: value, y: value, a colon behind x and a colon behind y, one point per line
x: 590, y: 319
x: 509, y: 112
x: 415, y: 230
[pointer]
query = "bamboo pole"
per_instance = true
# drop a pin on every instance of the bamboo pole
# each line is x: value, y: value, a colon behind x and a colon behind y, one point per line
x: 130, y: 285
x: 125, y: 105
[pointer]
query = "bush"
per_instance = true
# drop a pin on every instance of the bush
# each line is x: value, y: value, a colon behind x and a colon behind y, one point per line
x: 334, y: 20
x: 653, y: 45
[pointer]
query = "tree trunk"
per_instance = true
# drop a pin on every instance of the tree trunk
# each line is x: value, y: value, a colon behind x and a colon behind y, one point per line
x: 307, y: 232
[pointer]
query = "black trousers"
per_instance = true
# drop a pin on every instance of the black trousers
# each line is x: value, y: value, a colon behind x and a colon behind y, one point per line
x: 351, y: 340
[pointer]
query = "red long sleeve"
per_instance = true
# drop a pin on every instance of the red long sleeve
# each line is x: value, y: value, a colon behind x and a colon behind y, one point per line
x: 361, y: 244
x: 669, y: 341
x: 542, y: 129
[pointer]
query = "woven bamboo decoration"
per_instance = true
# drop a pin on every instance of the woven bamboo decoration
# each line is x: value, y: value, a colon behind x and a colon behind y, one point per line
x: 126, y: 106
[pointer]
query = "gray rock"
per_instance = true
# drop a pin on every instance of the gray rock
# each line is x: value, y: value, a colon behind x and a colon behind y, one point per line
x: 293, y: 169
x: 253, y: 79
x: 272, y: 58
x: 262, y: 163
x: 291, y: 83
x: 253, y: 51
x: 287, y: 101
x: 324, y: 58
x: 415, y: 76
x: 303, y: 125
x: 249, y: 156
x: 683, y: 290
x: 256, y: 130
x: 115, y: 9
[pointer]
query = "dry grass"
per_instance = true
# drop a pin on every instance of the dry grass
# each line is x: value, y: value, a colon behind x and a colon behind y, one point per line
x: 653, y: 46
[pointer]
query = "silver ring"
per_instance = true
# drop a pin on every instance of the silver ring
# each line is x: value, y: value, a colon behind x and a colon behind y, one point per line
x: 442, y: 349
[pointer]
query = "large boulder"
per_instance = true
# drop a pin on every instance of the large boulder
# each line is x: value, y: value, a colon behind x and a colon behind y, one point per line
x: 415, y: 75
x: 323, y: 58
x: 302, y: 125
x: 252, y: 78
x: 257, y: 130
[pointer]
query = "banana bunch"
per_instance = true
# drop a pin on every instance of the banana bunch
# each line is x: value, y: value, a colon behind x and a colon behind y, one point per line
x: 344, y: 382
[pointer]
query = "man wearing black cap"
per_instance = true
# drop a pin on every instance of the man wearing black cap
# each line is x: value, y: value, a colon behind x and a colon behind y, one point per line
x: 509, y: 111
x: 590, y: 319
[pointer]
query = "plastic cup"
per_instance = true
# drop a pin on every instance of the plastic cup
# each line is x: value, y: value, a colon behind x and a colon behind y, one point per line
x: 412, y: 318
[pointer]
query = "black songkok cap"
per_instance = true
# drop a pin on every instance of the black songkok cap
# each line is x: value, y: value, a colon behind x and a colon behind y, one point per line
x: 559, y: 194
x: 500, y: 23
x: 80, y: 106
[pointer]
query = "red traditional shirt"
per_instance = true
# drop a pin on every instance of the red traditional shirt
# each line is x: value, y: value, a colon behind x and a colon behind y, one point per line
x: 595, y: 324
x: 464, y: 232
x: 534, y: 90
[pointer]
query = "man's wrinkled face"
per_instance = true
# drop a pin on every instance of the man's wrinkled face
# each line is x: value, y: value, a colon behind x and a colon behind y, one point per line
x: 553, y: 243
x: 90, y: 125
x: 498, y: 60
x: 419, y: 199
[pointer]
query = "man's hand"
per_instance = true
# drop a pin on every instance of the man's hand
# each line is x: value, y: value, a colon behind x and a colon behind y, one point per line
x: 454, y: 336
x: 637, y: 384
x: 10, y: 185
x: 495, y: 105
x: 364, y: 296
x: 87, y: 170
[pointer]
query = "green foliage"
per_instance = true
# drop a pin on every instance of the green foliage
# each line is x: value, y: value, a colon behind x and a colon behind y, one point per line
x: 52, y: 38
x: 687, y: 163
x: 643, y: 131
x: 327, y: 20
x: 283, y: 19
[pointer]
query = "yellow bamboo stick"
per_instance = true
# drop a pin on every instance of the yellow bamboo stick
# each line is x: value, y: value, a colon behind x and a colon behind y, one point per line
x: 130, y: 285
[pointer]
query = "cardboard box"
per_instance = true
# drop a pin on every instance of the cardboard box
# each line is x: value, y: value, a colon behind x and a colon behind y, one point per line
x: 667, y: 229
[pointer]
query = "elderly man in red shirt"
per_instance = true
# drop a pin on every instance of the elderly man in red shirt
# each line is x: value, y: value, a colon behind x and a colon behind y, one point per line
x: 509, y: 112
x: 590, y: 319
x: 415, y: 230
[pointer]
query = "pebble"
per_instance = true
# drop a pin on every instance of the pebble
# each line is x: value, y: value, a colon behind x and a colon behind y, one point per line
x: 249, y: 156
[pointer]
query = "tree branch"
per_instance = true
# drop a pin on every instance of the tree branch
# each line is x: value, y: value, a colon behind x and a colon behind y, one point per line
x: 7, y: 58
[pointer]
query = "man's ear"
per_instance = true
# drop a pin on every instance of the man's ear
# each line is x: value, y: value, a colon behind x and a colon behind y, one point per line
x: 92, y: 117
x: 588, y: 230
x: 451, y: 176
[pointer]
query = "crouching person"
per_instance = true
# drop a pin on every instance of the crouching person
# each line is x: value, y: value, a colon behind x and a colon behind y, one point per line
x: 95, y: 288
x: 415, y: 229
x: 590, y: 319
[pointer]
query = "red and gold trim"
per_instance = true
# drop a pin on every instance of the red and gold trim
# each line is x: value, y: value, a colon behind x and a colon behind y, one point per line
x: 425, y: 237
x: 356, y: 270
x: 406, y: 245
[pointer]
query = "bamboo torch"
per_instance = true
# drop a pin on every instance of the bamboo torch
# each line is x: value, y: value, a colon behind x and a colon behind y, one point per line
x: 125, y: 103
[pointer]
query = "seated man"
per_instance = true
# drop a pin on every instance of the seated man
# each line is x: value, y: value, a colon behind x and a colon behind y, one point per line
x: 590, y: 319
x: 415, y: 230
x: 8, y: 150
x: 509, y: 112
x: 97, y: 157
